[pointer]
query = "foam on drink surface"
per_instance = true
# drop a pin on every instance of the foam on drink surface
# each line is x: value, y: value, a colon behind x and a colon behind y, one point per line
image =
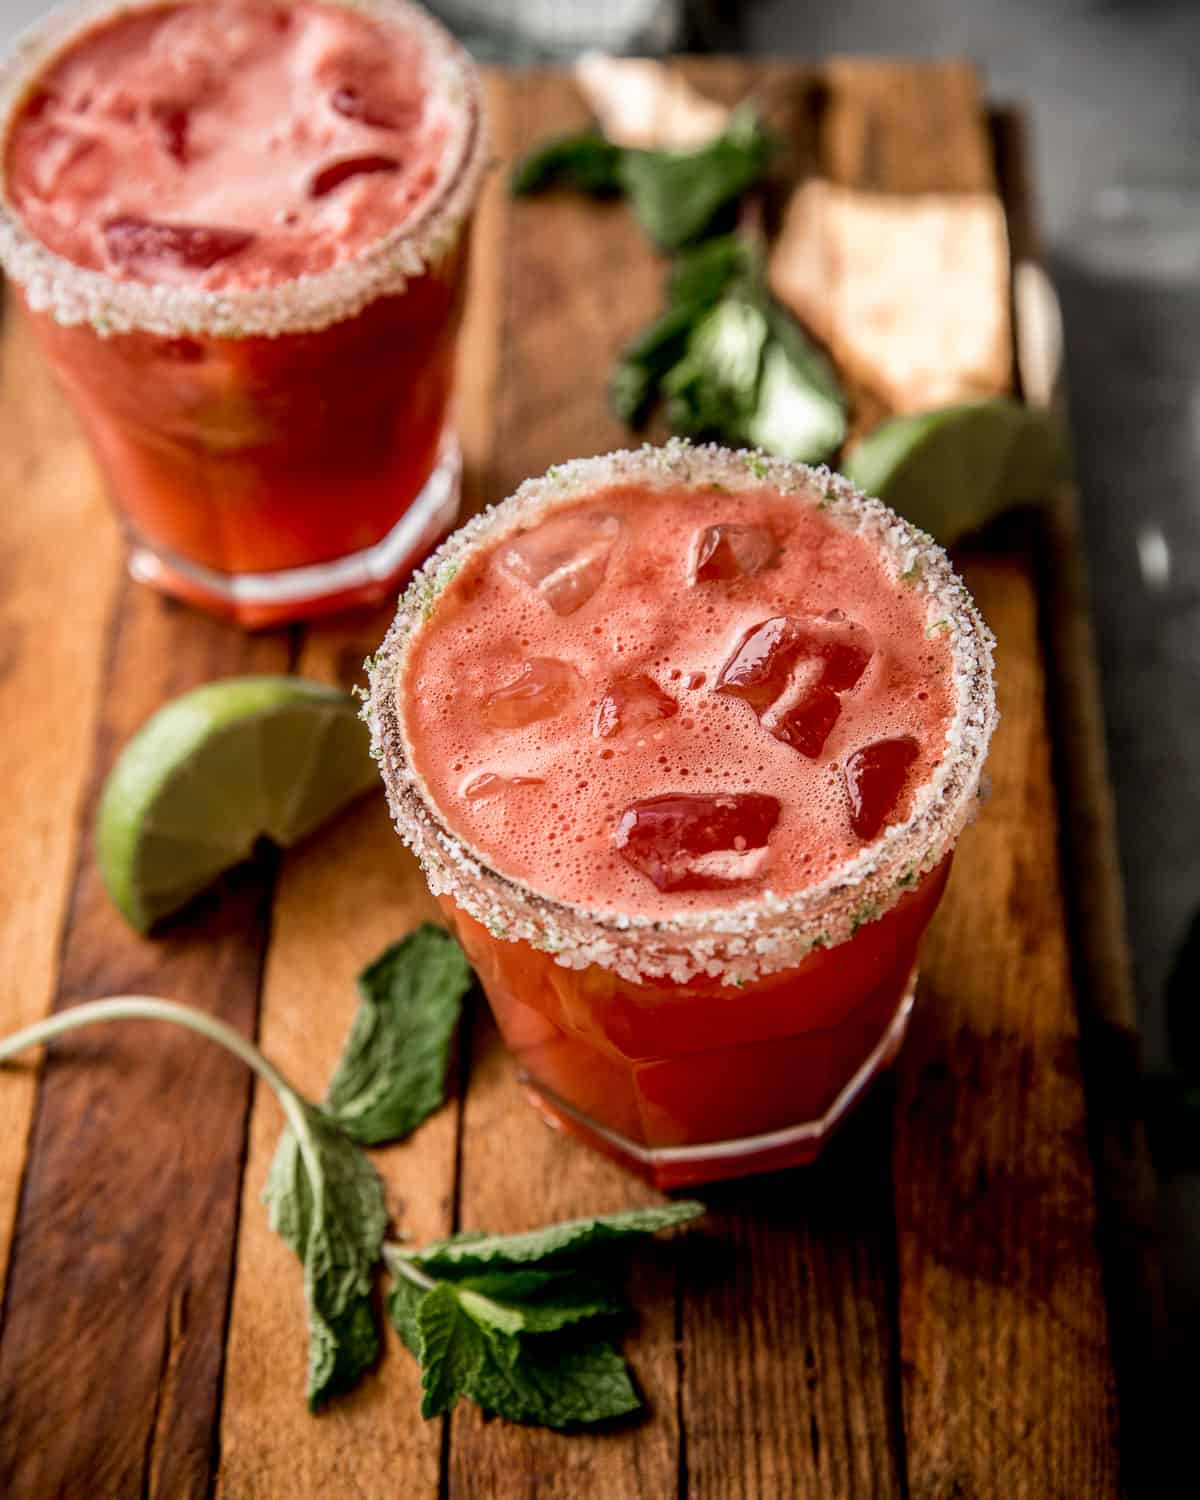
x: 688, y: 697
x: 226, y: 144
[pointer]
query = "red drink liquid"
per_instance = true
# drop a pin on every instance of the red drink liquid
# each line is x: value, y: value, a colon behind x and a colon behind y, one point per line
x: 683, y: 740
x: 240, y: 228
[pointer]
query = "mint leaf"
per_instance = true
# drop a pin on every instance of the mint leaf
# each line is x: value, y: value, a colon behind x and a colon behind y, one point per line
x: 340, y: 1349
x: 450, y: 1347
x: 677, y: 195
x: 392, y: 1074
x: 545, y: 1301
x: 554, y: 1383
x: 732, y: 363
x: 403, y: 1304
x: 471, y: 1253
x: 326, y: 1201
x: 636, y: 377
x: 699, y: 276
x: 586, y: 161
x: 712, y: 390
x: 792, y: 417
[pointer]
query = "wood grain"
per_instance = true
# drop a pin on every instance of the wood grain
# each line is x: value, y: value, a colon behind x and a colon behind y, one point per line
x: 787, y: 1339
x: 343, y: 896
x: 902, y: 126
x: 111, y: 1353
x: 1007, y: 1372
x: 1110, y: 1047
x: 57, y: 592
x: 994, y: 1191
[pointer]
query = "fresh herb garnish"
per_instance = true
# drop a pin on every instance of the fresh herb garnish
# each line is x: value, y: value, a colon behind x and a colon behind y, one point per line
x: 676, y: 196
x: 510, y: 1321
x: 326, y: 1201
x: 392, y: 1072
x: 585, y: 160
x: 732, y: 364
x: 516, y: 1322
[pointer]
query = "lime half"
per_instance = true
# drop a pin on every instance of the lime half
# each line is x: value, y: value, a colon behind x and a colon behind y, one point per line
x: 952, y: 470
x: 214, y: 771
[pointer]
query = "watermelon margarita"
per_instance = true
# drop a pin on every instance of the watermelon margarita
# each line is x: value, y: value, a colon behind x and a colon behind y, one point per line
x: 683, y: 740
x: 240, y: 229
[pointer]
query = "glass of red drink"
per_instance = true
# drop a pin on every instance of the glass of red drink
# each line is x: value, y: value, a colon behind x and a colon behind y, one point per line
x: 265, y: 385
x: 690, y: 851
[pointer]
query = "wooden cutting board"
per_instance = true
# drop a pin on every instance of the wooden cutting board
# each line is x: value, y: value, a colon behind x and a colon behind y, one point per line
x: 924, y: 1313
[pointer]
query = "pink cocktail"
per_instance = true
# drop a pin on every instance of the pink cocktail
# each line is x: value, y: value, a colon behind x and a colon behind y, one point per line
x: 240, y: 229
x: 683, y: 740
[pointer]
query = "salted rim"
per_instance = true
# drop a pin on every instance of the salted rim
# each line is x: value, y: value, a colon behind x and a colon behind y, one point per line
x: 748, y: 939
x: 76, y: 294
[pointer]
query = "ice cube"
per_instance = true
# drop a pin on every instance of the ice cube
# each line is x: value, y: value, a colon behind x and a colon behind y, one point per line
x: 542, y: 688
x: 697, y: 841
x: 489, y: 784
x: 792, y: 672
x: 632, y: 703
x: 564, y: 559
x: 131, y: 241
x: 332, y: 176
x: 730, y: 551
x: 806, y: 724
x: 875, y: 777
x: 762, y: 662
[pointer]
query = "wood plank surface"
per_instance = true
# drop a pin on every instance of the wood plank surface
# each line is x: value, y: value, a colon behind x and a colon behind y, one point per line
x: 111, y: 1352
x: 51, y: 669
x: 919, y: 1315
x: 994, y: 1192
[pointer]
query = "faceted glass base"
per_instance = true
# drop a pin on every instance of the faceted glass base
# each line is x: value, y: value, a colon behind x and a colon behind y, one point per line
x: 713, y: 1161
x: 258, y: 600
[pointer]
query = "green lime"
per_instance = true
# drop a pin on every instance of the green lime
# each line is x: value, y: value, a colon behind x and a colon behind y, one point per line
x: 951, y: 470
x: 214, y: 771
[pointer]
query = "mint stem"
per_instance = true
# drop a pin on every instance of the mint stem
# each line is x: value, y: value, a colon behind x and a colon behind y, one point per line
x: 396, y: 1258
x: 151, y: 1008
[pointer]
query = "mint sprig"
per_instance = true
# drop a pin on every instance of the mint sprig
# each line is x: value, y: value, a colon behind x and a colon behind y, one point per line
x: 676, y: 196
x: 515, y: 1322
x: 463, y: 1253
x: 730, y: 362
x: 518, y: 1323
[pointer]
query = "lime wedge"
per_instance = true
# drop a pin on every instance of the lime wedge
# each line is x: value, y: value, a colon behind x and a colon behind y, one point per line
x: 214, y: 771
x: 952, y: 470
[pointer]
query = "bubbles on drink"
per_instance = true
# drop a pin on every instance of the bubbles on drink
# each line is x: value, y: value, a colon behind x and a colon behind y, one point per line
x: 698, y: 841
x: 541, y: 689
x: 563, y: 560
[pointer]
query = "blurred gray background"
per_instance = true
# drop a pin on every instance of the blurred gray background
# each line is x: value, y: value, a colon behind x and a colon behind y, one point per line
x: 1113, y: 89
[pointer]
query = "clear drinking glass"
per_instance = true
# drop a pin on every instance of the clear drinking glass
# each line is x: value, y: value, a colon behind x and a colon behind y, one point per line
x: 716, y: 1042
x: 279, y: 451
